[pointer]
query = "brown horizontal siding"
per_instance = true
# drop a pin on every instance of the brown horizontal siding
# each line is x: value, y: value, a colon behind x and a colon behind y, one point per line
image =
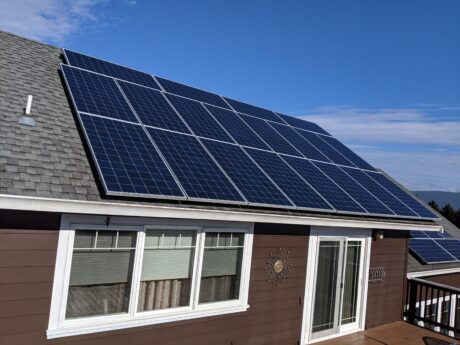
x: 385, y: 300
x: 27, y: 259
x: 446, y: 279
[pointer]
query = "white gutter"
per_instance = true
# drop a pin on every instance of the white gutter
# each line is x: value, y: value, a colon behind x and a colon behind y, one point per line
x: 430, y: 273
x: 14, y: 202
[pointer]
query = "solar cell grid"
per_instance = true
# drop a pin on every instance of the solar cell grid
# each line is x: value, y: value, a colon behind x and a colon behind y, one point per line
x: 253, y: 110
x: 249, y: 179
x: 429, y: 251
x: 380, y: 193
x: 322, y: 146
x: 111, y: 69
x: 152, y: 108
x: 302, y: 145
x: 452, y: 246
x: 97, y: 94
x: 270, y: 136
x: 191, y: 92
x: 347, y: 153
x: 361, y: 195
x: 301, y: 194
x: 198, y: 119
x: 401, y: 195
x: 198, y: 174
x: 303, y: 124
x: 329, y: 190
x: 128, y: 161
x: 418, y: 234
x: 237, y: 128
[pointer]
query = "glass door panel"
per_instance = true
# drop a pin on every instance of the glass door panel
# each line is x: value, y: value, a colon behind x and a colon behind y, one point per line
x: 326, y: 303
x: 351, y: 282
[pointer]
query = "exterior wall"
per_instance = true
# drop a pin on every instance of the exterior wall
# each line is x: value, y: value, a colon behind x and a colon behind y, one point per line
x: 27, y: 260
x: 446, y: 279
x: 385, y: 300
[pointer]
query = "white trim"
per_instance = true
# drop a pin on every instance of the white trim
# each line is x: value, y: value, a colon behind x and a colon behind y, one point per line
x: 60, y: 327
x: 334, y: 232
x: 15, y: 202
x: 433, y: 272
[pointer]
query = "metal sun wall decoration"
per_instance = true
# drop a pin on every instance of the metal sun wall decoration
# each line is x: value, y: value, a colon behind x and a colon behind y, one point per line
x: 278, y: 266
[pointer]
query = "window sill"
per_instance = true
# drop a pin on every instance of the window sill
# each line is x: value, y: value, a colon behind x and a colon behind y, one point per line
x: 104, y: 324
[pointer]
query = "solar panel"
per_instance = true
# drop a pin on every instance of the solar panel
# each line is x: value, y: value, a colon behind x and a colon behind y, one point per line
x: 322, y: 146
x: 303, y: 124
x: 191, y: 92
x: 429, y: 251
x: 302, y: 145
x: 361, y: 195
x: 270, y: 136
x: 127, y: 160
x: 96, y: 94
x: 379, y: 192
x: 452, y: 246
x: 328, y: 189
x: 198, y: 174
x: 152, y: 108
x: 237, y: 128
x: 301, y: 194
x: 417, y: 207
x: 198, y: 119
x: 347, y: 153
x: 253, y: 110
x: 249, y: 179
x: 125, y: 104
x: 100, y: 66
x: 418, y: 234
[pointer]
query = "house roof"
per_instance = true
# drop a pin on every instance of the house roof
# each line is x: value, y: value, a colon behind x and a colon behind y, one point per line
x: 50, y: 160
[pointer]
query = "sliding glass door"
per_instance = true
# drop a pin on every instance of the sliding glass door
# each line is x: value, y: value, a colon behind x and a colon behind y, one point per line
x: 337, y: 288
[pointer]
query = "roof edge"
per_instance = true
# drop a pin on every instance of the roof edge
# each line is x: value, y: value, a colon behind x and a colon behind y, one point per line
x: 25, y: 203
x: 429, y: 273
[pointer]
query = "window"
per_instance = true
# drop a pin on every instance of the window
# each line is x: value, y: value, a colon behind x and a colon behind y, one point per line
x: 118, y: 276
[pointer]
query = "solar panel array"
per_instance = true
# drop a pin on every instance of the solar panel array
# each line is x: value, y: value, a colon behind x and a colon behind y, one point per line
x: 156, y: 138
x: 434, y: 247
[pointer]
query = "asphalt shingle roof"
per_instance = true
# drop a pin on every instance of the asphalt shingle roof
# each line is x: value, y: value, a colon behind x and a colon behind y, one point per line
x: 50, y: 159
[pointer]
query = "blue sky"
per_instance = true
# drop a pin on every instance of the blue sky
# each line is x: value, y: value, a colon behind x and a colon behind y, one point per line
x: 383, y: 76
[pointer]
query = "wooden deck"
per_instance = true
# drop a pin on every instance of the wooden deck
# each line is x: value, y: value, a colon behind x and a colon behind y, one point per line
x: 396, y: 333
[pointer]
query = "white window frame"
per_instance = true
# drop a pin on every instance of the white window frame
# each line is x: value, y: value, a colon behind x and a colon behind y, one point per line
x: 60, y: 327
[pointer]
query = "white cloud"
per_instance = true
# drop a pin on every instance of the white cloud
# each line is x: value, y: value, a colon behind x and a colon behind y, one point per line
x: 47, y: 20
x: 406, y: 126
x: 419, y: 146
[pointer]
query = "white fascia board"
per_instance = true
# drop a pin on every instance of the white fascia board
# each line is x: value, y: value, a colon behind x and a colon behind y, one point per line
x: 14, y: 202
x: 433, y: 272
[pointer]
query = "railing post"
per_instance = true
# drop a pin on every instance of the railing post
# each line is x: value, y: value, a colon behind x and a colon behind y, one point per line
x: 412, y: 301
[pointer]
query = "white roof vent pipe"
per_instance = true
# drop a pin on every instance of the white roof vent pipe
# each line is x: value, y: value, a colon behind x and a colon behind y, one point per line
x: 27, y: 119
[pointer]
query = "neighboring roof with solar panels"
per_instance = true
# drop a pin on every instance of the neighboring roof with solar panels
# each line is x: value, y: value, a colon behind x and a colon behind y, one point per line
x: 122, y: 143
x: 219, y: 150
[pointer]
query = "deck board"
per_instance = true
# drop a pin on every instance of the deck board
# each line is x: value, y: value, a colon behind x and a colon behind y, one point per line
x: 396, y: 333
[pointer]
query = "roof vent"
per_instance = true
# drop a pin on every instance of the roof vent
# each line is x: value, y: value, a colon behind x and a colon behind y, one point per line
x: 26, y: 119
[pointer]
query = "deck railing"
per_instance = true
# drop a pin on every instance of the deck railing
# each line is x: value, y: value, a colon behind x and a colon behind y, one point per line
x: 434, y: 306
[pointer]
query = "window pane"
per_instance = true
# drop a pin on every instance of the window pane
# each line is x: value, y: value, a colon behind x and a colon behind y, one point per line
x: 167, y: 269
x: 351, y: 282
x: 221, y: 272
x: 100, y: 276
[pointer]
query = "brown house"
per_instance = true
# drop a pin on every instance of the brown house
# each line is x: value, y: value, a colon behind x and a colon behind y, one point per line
x: 92, y: 254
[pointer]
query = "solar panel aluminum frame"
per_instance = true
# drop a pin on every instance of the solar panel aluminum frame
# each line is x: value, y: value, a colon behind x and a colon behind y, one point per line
x: 421, y: 258
x: 105, y: 75
x: 392, y: 216
x: 369, y: 213
x: 96, y: 163
x: 300, y: 208
x: 336, y: 211
x: 188, y: 198
x: 295, y: 127
x: 235, y: 111
x: 419, y: 217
